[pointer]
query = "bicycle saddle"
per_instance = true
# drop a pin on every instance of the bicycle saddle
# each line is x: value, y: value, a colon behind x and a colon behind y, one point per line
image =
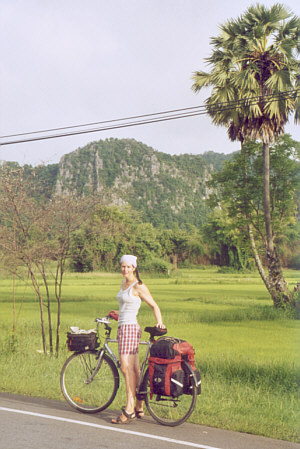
x: 155, y: 331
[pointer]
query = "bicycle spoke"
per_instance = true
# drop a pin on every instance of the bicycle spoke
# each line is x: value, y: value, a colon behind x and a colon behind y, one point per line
x: 86, y: 364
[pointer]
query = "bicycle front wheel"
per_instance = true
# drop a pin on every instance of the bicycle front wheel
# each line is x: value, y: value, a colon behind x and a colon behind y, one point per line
x: 168, y: 410
x: 86, y: 388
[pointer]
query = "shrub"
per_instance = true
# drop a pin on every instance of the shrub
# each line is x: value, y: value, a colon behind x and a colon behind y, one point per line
x: 295, y: 262
x: 155, y: 265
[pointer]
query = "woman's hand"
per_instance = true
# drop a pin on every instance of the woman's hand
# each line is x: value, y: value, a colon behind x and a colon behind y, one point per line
x: 114, y: 315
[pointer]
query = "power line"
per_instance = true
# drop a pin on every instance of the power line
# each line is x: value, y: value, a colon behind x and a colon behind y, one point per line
x: 155, y: 117
x: 199, y: 110
x: 147, y: 115
x: 101, y: 122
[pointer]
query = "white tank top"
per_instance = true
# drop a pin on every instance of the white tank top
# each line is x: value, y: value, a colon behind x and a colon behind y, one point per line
x: 128, y: 305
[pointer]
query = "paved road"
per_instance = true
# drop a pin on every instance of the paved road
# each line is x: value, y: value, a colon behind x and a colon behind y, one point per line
x: 34, y: 423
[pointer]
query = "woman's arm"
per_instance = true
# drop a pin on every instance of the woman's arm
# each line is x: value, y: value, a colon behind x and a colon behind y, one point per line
x: 145, y: 295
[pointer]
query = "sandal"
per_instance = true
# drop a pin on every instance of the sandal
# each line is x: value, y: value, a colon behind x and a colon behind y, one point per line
x: 128, y: 418
x: 139, y: 413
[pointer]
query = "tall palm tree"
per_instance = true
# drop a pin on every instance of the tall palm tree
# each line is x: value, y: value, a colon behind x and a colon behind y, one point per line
x: 255, y: 87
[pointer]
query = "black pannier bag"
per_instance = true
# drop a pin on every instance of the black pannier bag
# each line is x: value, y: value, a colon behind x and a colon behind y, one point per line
x: 80, y: 342
x: 165, y: 348
x: 166, y: 370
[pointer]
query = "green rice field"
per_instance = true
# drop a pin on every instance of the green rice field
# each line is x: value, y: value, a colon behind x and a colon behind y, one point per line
x: 247, y: 352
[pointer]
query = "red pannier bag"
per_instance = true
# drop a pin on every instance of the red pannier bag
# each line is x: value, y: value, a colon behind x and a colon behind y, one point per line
x: 166, y: 370
x: 166, y: 376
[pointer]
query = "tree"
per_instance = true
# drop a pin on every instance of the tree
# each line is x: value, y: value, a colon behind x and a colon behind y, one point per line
x: 174, y: 243
x: 241, y: 198
x: 109, y: 233
x: 145, y: 241
x: 254, y: 68
x: 18, y: 221
x: 98, y: 243
x: 64, y: 217
x: 227, y: 245
x: 34, y: 232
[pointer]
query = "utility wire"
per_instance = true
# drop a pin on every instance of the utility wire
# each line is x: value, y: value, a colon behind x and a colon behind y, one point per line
x: 151, y: 118
x: 102, y: 122
x: 148, y: 115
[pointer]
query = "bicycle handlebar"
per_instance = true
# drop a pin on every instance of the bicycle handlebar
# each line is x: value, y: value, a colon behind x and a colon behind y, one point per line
x: 103, y: 320
x: 153, y: 331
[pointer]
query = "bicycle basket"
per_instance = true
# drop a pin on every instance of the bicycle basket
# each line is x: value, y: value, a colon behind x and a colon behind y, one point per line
x: 79, y: 342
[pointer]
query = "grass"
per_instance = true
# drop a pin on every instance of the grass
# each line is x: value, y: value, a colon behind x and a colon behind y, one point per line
x: 247, y: 352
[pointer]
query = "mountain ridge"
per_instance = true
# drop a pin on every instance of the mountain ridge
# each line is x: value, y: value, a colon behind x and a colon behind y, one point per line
x: 164, y: 188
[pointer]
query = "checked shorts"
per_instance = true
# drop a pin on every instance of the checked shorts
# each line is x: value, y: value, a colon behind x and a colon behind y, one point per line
x: 128, y: 337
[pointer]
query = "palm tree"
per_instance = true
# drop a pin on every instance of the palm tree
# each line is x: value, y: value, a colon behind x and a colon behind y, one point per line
x: 255, y: 87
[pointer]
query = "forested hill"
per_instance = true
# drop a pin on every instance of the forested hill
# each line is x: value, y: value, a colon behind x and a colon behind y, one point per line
x: 165, y: 189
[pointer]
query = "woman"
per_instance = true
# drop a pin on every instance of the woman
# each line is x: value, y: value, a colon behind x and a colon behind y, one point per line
x: 130, y: 296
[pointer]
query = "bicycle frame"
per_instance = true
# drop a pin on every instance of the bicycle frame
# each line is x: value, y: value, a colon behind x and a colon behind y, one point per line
x: 106, y: 349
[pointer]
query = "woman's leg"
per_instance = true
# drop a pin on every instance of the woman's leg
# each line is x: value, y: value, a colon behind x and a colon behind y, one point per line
x: 128, y: 370
x: 129, y: 367
x: 131, y: 370
x: 139, y: 404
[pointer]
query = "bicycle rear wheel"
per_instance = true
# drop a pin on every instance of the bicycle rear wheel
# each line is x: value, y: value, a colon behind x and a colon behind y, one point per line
x: 85, y: 389
x: 167, y: 410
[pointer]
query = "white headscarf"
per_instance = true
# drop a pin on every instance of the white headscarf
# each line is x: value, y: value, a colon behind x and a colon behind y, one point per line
x: 127, y: 258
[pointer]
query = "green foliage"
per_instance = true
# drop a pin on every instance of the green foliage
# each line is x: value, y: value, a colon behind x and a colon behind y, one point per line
x: 155, y: 265
x: 237, y: 189
x: 216, y: 159
x: 110, y: 232
x: 295, y: 262
x: 254, y: 56
x: 227, y: 244
x: 39, y: 181
x: 180, y: 245
x: 100, y: 240
x: 47, y: 176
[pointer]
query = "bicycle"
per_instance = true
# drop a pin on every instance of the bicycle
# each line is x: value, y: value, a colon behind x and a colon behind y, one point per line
x: 90, y: 380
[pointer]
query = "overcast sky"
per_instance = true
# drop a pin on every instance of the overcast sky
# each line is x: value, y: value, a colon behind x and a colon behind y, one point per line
x: 69, y: 62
